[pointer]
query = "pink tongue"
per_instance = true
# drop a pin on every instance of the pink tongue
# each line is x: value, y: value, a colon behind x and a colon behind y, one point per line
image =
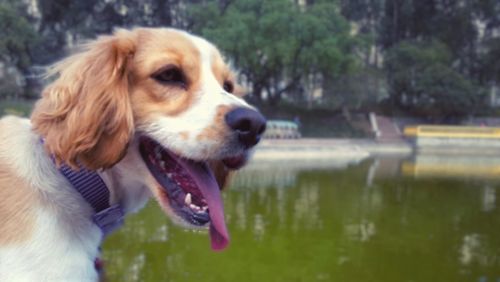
x: 205, y: 180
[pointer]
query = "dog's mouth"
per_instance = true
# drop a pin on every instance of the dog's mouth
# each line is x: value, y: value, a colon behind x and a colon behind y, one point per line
x: 189, y: 188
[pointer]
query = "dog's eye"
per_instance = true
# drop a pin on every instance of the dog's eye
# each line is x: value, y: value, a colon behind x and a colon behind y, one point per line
x: 170, y: 75
x: 228, y: 86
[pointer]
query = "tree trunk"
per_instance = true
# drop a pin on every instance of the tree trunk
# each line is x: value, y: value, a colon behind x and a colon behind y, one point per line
x: 257, y: 93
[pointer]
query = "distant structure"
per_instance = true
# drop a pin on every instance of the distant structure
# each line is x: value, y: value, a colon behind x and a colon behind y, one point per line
x: 282, y: 129
x: 440, y: 138
x: 384, y: 128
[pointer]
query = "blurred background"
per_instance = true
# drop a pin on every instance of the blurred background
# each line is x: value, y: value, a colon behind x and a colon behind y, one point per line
x: 322, y: 61
x: 381, y: 161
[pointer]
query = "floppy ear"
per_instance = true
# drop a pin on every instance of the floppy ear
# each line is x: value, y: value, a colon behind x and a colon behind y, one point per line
x: 85, y: 116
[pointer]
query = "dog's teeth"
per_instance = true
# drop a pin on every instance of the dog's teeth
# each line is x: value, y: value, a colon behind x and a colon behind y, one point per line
x: 205, y: 208
x: 194, y: 207
x: 187, y: 200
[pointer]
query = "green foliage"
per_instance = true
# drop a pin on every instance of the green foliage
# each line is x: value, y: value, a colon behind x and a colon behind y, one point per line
x: 15, y: 107
x: 18, y: 37
x: 465, y: 27
x: 317, y: 122
x: 438, y: 54
x: 275, y: 44
x: 16, y: 44
x: 79, y: 20
x: 364, y: 88
x: 423, y: 74
x: 422, y: 82
x: 490, y: 61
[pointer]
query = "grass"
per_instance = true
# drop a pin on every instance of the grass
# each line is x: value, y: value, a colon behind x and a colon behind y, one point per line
x: 16, y: 107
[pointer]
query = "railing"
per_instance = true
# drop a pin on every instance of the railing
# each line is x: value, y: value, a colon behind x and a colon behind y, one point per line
x: 441, y: 131
x: 282, y: 129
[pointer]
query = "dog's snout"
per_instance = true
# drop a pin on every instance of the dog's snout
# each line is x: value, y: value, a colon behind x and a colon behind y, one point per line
x: 248, y: 124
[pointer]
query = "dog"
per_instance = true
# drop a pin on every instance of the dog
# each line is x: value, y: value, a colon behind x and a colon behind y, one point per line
x: 140, y: 113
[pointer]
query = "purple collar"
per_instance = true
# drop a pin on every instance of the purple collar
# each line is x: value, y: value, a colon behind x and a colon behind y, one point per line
x: 93, y: 189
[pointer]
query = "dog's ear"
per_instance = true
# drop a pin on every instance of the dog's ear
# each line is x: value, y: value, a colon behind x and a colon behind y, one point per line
x: 85, y: 115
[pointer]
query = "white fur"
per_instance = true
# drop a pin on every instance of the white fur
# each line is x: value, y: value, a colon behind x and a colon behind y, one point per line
x: 65, y: 242
x: 199, y: 116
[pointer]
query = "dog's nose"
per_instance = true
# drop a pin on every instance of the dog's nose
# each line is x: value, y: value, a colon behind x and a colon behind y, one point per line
x: 248, y: 124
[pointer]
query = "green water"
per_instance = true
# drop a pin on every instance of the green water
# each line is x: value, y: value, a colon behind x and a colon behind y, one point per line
x: 326, y: 223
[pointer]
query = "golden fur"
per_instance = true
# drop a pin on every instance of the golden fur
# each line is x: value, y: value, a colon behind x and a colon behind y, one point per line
x: 17, y: 208
x: 85, y: 115
x: 89, y: 112
x: 103, y: 101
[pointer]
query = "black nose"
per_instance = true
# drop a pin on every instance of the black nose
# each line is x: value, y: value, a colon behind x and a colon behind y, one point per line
x: 248, y: 124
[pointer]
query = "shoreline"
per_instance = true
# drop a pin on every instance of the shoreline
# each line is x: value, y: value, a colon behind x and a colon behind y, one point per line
x: 338, y: 148
x: 315, y: 148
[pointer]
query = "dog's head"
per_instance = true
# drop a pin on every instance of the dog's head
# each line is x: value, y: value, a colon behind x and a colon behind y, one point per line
x: 171, y: 95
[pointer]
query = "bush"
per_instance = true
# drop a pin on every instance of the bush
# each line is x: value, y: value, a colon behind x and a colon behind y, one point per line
x: 16, y: 107
x: 422, y: 82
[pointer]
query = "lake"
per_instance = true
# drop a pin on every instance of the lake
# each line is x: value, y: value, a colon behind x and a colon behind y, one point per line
x: 422, y: 218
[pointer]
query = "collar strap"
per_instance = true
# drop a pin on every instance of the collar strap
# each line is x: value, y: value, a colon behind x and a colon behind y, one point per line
x: 93, y: 189
x: 90, y: 185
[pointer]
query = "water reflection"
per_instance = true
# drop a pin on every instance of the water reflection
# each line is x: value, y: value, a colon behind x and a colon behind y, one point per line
x: 489, y: 198
x: 360, y: 232
x: 283, y: 173
x: 349, y: 221
x: 470, y: 249
x: 453, y: 166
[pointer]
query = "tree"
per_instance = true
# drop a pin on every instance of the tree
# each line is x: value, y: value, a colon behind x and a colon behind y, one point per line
x: 488, y: 69
x: 367, y: 16
x: 352, y: 91
x: 18, y: 37
x: 64, y: 23
x: 454, y: 23
x: 422, y: 82
x: 16, y: 44
x: 277, y: 45
x: 490, y: 61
